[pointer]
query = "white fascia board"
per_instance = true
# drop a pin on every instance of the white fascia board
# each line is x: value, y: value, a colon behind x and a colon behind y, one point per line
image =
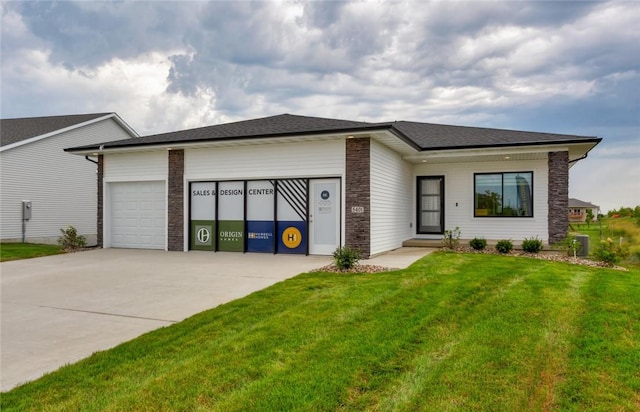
x: 502, y: 151
x: 123, y: 124
x: 213, y: 143
x: 115, y: 117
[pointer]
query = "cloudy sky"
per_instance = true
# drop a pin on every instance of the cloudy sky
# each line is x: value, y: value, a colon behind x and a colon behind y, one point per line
x: 564, y: 67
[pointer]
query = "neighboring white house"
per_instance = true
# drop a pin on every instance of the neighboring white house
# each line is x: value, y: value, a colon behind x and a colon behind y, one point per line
x: 298, y: 184
x: 61, y: 188
x: 578, y: 210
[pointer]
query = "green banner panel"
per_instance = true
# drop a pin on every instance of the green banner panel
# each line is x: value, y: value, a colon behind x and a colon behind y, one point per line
x: 231, y: 235
x: 202, y: 235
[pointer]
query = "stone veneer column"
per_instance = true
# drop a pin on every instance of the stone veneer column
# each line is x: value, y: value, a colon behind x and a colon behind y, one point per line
x: 100, y: 217
x: 358, y: 195
x: 175, y: 201
x: 558, y: 196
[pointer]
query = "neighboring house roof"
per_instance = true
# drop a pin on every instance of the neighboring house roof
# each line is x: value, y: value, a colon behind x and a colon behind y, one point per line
x: 15, y: 132
x: 421, y: 136
x: 580, y: 203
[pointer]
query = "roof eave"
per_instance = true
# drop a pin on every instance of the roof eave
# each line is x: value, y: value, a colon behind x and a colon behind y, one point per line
x: 33, y: 139
x: 594, y: 140
x: 121, y: 145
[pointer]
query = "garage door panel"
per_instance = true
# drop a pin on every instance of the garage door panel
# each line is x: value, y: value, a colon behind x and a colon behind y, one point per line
x: 138, y: 215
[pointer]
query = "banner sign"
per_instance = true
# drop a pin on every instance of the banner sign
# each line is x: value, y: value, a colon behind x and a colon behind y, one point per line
x: 292, y: 237
x: 203, y: 212
x: 231, y: 216
x: 260, y: 216
x: 292, y: 216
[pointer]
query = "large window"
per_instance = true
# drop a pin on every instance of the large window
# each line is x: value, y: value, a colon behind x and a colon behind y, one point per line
x: 503, y: 194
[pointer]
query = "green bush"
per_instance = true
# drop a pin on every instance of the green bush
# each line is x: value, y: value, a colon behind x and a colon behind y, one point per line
x: 478, y: 243
x: 451, y: 238
x: 504, y: 246
x: 70, y: 240
x: 609, y: 253
x: 345, y: 257
x: 532, y: 245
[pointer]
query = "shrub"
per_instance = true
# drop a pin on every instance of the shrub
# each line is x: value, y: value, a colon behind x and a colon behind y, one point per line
x: 451, y: 238
x: 609, y: 253
x: 345, y: 257
x: 532, y: 245
x: 478, y: 243
x: 504, y: 246
x: 70, y: 240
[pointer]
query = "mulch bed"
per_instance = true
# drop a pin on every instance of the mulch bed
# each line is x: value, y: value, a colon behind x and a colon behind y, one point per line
x: 358, y: 268
x: 551, y: 256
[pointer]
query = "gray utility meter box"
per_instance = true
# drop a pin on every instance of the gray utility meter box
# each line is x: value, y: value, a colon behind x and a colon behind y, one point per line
x: 26, y: 210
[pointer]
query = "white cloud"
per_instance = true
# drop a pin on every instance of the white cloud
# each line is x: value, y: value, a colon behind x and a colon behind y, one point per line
x: 166, y: 66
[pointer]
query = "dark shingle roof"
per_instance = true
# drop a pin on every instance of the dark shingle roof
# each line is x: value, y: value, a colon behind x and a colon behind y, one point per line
x: 580, y: 203
x: 17, y: 130
x: 437, y: 136
x: 422, y: 136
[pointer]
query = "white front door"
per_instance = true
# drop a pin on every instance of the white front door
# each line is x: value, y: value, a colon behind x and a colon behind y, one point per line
x: 324, y: 216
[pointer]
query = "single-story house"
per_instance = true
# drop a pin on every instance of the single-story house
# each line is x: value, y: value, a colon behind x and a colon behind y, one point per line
x: 578, y: 210
x: 298, y: 184
x: 43, y: 189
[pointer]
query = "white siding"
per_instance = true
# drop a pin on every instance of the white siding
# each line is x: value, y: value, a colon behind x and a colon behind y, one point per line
x: 128, y: 167
x: 459, y: 194
x: 310, y: 159
x: 61, y: 186
x: 391, y: 196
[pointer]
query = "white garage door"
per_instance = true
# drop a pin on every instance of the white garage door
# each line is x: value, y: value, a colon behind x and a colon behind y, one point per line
x: 138, y: 215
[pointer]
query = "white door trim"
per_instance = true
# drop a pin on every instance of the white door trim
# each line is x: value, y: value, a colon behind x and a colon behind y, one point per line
x: 325, y: 206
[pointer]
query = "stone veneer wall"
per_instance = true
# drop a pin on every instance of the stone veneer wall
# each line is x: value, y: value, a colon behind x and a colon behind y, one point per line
x: 100, y: 217
x: 175, y: 201
x: 558, y: 196
x: 358, y: 195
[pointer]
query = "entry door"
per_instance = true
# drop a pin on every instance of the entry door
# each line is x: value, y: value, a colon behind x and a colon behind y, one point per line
x: 324, y: 216
x: 430, y: 204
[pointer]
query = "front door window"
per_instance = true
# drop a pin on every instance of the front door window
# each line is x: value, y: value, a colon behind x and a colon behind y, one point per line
x: 430, y: 205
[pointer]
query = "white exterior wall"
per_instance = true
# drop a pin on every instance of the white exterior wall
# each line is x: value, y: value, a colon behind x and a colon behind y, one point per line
x: 308, y: 159
x: 459, y: 196
x: 136, y: 167
x: 131, y: 167
x: 392, y: 185
x: 270, y: 161
x: 61, y: 186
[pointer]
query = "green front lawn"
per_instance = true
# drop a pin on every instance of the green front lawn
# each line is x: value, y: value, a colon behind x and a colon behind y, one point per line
x: 16, y: 251
x: 452, y: 332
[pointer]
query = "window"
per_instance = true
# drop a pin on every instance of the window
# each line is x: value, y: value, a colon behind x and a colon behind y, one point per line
x: 503, y: 194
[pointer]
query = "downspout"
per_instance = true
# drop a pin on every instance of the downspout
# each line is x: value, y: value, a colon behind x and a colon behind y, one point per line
x: 96, y: 163
x: 580, y: 158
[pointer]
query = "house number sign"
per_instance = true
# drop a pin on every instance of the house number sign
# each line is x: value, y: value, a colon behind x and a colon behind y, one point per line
x: 357, y: 209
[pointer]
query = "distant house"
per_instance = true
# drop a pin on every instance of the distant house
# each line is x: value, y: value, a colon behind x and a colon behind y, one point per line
x: 299, y: 184
x: 61, y: 188
x: 578, y: 210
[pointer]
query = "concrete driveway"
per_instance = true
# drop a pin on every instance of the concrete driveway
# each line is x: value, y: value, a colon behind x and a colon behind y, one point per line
x: 60, y: 309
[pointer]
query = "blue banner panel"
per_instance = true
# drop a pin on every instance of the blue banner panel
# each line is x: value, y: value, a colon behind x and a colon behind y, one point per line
x: 292, y: 237
x: 260, y: 236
